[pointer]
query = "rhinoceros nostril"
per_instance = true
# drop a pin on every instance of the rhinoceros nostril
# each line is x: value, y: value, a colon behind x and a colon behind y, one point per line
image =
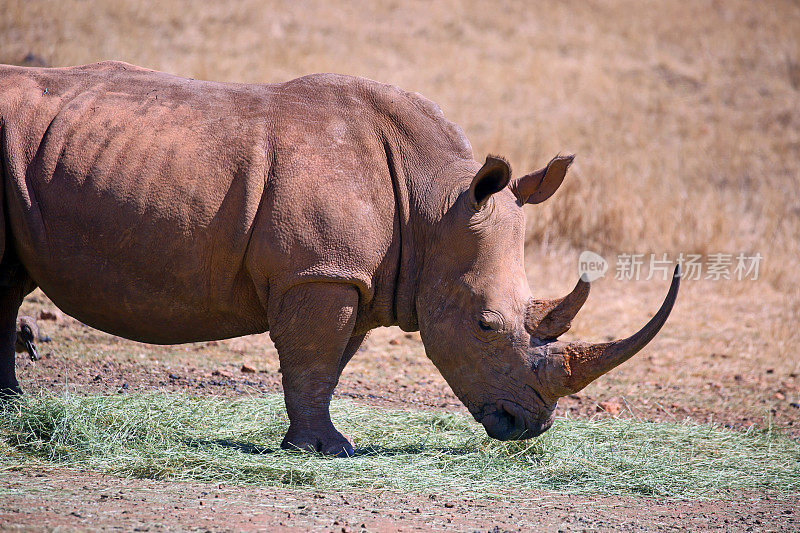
x: 517, y: 417
x: 505, y: 421
x: 508, y: 417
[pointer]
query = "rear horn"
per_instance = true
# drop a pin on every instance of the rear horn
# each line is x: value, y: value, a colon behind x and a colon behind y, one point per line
x: 547, y: 319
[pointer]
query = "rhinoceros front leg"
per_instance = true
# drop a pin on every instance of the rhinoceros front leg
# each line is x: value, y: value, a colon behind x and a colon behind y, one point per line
x: 312, y: 330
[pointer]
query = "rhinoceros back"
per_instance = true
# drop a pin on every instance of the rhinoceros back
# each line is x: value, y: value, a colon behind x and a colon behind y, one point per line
x: 131, y: 194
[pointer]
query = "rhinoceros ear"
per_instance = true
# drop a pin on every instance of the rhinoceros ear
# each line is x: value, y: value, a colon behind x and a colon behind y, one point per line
x: 493, y: 176
x: 538, y: 186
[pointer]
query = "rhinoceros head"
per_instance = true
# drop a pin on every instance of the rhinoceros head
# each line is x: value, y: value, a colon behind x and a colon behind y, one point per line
x: 495, y: 344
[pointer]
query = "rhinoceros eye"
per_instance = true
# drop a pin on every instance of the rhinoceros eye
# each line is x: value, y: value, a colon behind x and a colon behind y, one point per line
x: 490, y: 321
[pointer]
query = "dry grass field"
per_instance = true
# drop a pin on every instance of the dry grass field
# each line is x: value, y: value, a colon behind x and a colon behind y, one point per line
x: 685, y: 118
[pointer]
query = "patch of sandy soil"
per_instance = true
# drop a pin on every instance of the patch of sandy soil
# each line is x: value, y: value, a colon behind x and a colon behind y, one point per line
x: 76, y: 501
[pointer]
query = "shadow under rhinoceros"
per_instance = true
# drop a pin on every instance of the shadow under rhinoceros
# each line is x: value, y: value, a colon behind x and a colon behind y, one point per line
x: 244, y: 447
x: 410, y: 449
x: 366, y: 451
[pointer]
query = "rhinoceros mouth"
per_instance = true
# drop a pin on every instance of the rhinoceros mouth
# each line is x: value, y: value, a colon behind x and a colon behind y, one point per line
x: 507, y: 420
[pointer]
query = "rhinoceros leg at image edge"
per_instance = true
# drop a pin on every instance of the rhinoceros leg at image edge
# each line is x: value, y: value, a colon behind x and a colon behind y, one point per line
x: 312, y: 328
x: 15, y: 284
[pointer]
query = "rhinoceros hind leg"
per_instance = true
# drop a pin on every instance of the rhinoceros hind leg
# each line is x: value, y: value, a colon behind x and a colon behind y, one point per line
x: 312, y: 328
x: 15, y: 284
x: 352, y: 347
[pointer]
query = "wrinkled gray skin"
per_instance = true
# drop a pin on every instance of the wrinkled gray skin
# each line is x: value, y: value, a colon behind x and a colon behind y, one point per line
x: 169, y: 210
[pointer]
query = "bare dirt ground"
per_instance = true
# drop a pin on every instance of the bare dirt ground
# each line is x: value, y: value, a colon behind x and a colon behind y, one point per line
x: 67, y: 500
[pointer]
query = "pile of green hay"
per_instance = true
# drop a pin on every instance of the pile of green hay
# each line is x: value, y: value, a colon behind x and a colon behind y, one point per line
x: 177, y: 437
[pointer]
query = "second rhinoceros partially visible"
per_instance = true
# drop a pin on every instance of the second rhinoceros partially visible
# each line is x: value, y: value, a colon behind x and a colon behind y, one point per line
x: 169, y: 210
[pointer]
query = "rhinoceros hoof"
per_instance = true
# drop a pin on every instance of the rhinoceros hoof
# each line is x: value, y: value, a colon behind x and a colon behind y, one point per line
x: 329, y: 442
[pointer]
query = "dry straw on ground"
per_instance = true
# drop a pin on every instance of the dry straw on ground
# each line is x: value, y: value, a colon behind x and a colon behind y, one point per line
x: 177, y: 437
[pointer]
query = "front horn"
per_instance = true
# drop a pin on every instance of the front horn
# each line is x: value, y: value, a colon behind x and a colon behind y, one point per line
x: 570, y: 366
